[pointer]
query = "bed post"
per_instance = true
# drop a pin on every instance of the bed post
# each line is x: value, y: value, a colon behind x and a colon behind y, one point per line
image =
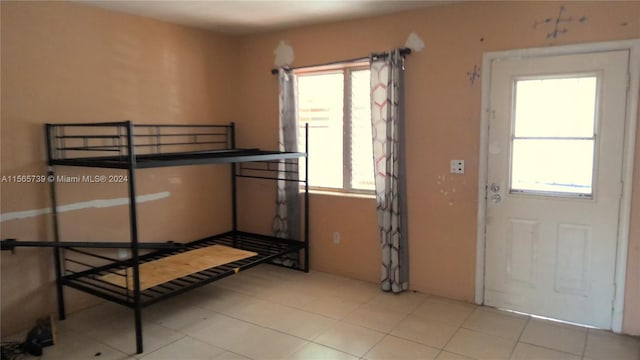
x: 51, y: 177
x: 234, y: 200
x: 306, y: 198
x: 133, y: 223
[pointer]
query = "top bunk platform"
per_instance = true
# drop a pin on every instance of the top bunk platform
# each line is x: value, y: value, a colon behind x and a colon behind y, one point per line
x: 124, y: 145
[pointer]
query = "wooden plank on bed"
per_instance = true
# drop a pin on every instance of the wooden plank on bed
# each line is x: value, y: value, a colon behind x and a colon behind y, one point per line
x: 172, y: 267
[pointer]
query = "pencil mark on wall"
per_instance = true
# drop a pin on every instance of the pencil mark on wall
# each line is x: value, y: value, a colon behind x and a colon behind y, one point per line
x: 447, y: 192
x: 99, y: 203
x: 624, y: 23
x: 474, y: 74
x: 559, y: 23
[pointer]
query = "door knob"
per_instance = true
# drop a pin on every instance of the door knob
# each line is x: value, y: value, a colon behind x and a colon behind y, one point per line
x: 496, y: 198
x: 494, y: 187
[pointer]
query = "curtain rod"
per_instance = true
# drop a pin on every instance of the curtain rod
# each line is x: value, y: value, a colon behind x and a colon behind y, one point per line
x: 403, y: 52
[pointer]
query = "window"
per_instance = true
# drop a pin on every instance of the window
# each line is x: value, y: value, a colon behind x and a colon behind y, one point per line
x: 553, y: 140
x: 336, y: 105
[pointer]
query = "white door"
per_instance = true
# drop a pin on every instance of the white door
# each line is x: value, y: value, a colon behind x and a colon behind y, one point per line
x: 554, y: 184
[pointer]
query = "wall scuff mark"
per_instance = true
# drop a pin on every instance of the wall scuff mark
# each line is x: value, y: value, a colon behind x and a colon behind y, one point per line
x: 99, y: 203
x: 448, y: 193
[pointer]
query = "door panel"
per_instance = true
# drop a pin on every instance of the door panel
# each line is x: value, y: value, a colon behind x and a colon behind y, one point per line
x: 554, y: 172
x: 521, y: 244
x: 572, y: 273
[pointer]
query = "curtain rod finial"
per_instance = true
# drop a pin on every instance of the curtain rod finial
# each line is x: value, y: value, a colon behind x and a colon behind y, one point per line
x: 275, y: 71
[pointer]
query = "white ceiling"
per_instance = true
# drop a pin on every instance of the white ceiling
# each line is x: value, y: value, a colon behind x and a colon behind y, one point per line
x: 243, y: 16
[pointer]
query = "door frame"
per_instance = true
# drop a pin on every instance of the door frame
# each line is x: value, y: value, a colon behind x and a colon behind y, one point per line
x: 631, y: 119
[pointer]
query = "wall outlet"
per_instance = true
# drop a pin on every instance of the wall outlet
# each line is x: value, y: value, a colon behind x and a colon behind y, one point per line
x: 336, y: 237
x: 457, y: 166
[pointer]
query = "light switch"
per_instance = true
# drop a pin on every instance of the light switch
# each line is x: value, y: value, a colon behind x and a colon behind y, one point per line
x: 457, y: 166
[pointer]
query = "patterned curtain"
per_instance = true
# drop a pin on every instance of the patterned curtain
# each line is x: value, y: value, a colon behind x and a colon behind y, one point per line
x: 389, y: 164
x: 286, y: 223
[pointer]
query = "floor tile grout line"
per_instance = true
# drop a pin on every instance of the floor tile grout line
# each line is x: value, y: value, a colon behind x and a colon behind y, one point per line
x: 481, y: 308
x: 457, y: 353
x: 520, y: 336
x: 373, y: 346
x: 479, y: 332
x: 398, y: 324
x: 301, y: 338
x: 336, y: 349
x: 167, y: 344
x: 412, y: 341
x: 440, y: 351
x: 257, y: 324
x: 549, y: 348
x: 586, y: 341
x: 266, y: 328
x: 552, y: 349
x: 387, y: 332
x: 306, y: 310
x: 260, y: 326
x: 459, y: 327
x: 306, y: 342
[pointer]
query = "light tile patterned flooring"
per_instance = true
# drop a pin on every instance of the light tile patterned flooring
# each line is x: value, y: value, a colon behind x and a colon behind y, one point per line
x: 274, y: 313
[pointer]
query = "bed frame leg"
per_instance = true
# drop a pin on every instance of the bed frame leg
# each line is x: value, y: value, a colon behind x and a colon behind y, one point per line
x: 133, y: 224
x: 57, y: 252
x: 306, y: 198
x: 234, y: 188
x: 138, y: 320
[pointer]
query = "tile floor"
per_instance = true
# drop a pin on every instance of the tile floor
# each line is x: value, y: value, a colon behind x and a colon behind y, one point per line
x: 274, y: 313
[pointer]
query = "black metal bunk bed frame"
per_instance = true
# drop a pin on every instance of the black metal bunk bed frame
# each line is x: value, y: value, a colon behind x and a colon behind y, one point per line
x: 131, y: 147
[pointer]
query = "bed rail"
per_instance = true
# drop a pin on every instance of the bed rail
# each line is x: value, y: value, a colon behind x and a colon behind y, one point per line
x: 109, y: 140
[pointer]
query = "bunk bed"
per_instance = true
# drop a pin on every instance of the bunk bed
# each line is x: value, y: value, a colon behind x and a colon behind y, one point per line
x: 132, y: 282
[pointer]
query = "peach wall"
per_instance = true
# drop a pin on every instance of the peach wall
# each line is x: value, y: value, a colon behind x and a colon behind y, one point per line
x: 67, y: 62
x: 357, y: 255
x: 442, y: 122
x: 63, y: 62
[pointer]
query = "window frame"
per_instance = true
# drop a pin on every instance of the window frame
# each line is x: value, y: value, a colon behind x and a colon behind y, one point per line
x: 594, y: 138
x: 347, y: 167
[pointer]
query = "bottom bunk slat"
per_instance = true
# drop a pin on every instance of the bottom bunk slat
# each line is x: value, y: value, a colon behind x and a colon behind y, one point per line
x: 156, y: 272
x: 108, y: 282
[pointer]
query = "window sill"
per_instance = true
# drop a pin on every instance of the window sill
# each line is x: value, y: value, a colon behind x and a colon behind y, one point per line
x: 342, y: 194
